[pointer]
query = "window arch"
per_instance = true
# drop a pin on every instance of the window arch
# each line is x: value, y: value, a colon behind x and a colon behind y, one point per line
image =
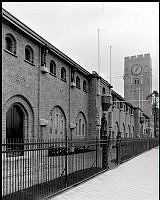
x: 84, y: 86
x: 10, y: 43
x: 63, y: 74
x: 29, y: 54
x: 57, y: 123
x: 103, y: 90
x: 52, y: 67
x: 81, y: 124
x: 78, y: 82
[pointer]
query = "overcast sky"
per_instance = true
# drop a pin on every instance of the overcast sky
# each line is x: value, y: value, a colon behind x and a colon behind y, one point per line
x: 131, y: 28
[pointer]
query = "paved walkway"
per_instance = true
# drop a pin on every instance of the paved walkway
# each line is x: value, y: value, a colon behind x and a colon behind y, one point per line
x: 137, y: 179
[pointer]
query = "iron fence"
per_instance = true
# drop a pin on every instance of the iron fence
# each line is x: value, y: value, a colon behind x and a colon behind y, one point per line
x: 34, y: 169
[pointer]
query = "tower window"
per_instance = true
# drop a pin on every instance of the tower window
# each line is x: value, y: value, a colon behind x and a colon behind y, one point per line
x: 136, y: 81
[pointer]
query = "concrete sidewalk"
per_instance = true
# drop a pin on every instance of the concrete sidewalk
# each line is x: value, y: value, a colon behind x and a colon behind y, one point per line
x: 137, y: 179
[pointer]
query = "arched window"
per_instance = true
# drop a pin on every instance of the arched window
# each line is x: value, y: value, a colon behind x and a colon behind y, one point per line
x: 83, y: 129
x: 103, y: 130
x: 126, y: 108
x: 63, y: 74
x: 52, y: 67
x: 29, y: 54
x: 116, y: 129
x: 84, y: 86
x: 14, y: 130
x: 10, y: 43
x: 78, y: 82
x: 81, y: 125
x: 103, y: 91
x: 57, y: 123
x: 76, y: 129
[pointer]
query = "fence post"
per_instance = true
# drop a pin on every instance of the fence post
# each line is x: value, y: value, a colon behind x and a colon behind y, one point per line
x: 118, y: 148
x: 66, y: 163
x: 96, y: 152
x: 147, y: 143
x: 105, y: 152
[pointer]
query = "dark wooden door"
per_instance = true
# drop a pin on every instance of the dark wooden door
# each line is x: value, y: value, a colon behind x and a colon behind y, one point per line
x: 14, y: 128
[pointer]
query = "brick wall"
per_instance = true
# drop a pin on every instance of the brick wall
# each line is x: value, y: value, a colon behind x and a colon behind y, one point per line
x: 42, y: 92
x: 19, y: 78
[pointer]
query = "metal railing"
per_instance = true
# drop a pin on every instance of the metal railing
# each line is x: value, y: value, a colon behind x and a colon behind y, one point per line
x: 35, y: 169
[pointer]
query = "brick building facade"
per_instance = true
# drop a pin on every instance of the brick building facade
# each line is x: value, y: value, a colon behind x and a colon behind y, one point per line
x: 45, y: 94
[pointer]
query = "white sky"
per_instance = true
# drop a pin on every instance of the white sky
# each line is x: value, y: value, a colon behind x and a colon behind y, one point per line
x: 131, y: 28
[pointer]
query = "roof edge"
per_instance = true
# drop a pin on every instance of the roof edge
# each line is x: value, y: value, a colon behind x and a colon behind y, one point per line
x: 9, y: 17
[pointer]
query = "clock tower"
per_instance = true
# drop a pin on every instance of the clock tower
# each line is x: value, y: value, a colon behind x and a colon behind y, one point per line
x: 138, y: 81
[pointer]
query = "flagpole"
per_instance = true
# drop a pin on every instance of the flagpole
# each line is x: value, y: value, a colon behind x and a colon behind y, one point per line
x: 98, y: 54
x: 111, y: 112
x: 110, y: 66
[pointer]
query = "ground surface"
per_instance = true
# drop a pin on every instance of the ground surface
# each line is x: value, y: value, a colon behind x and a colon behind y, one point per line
x: 137, y: 179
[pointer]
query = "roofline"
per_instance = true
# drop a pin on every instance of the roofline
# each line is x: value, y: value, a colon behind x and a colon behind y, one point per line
x: 16, y: 22
x: 117, y: 95
x: 121, y: 98
x: 146, y: 115
x: 9, y: 17
x: 138, y: 109
x: 105, y: 81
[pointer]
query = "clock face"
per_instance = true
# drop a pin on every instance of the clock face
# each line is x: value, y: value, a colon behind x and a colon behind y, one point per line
x: 136, y: 69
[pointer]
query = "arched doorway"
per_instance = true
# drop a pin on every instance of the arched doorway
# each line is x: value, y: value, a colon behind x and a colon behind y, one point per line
x: 15, y: 129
